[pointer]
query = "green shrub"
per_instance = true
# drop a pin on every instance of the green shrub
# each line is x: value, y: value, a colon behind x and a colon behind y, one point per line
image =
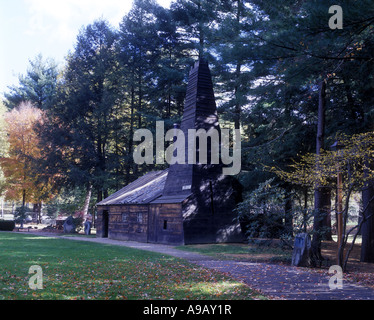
x: 7, y: 225
x: 261, y: 213
x: 20, y: 214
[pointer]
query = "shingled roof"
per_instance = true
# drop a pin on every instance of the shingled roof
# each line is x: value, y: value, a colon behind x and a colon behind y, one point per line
x: 142, y: 191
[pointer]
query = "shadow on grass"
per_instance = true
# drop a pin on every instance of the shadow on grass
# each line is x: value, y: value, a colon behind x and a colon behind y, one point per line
x: 242, y: 252
x: 82, y: 270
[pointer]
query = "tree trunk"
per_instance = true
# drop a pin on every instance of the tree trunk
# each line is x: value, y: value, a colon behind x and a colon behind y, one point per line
x: 37, y: 207
x: 40, y: 207
x: 238, y: 93
x: 322, y: 195
x: 322, y: 205
x: 23, y: 197
x: 99, y: 195
x: 131, y: 135
x: 201, y: 35
x: 288, y: 219
x: 237, y: 116
x: 87, y: 200
x: 305, y: 211
x: 367, y: 229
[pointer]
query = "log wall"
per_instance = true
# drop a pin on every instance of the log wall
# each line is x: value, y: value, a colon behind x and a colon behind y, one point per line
x: 166, y: 224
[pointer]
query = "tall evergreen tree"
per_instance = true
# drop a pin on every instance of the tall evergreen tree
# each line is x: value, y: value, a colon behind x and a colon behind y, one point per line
x: 297, y: 51
x: 80, y: 132
x: 232, y: 45
x: 170, y: 71
x: 195, y: 20
x: 38, y: 85
x: 149, y: 82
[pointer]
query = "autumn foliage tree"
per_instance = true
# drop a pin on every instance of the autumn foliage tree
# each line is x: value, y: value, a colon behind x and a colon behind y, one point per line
x: 3, y: 145
x: 351, y: 162
x: 18, y: 165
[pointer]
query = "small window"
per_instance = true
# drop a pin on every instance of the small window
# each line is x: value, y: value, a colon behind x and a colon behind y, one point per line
x: 124, y: 217
x: 165, y: 224
x: 139, y: 218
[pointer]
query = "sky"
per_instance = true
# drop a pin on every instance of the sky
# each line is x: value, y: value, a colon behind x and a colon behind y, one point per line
x: 49, y: 27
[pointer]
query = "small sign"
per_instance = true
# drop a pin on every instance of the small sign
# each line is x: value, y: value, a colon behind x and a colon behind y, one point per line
x: 299, y: 242
x: 187, y: 187
x: 302, y: 250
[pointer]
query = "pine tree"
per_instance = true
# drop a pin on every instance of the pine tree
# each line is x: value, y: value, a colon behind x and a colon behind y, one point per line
x: 79, y: 135
x: 297, y: 50
x: 171, y: 69
x: 143, y: 63
x: 38, y: 86
x: 195, y: 19
x: 232, y: 43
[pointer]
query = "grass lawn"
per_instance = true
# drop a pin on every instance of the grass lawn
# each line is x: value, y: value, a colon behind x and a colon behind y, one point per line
x: 243, y: 252
x: 82, y: 270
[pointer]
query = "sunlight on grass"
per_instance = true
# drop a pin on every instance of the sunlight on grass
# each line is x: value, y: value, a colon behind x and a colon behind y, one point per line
x: 350, y: 239
x: 81, y: 270
x: 218, y: 289
x: 36, y: 238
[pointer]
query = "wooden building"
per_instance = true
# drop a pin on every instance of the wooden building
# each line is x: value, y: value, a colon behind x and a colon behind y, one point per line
x: 185, y: 204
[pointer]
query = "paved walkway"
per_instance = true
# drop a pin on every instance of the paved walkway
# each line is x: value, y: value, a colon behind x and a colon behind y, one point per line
x: 277, y: 281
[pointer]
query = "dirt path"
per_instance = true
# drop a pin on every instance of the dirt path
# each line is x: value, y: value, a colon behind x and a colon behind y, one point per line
x: 276, y: 281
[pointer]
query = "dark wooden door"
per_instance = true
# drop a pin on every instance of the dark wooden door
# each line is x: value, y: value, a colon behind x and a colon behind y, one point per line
x: 153, y: 224
x: 105, y: 224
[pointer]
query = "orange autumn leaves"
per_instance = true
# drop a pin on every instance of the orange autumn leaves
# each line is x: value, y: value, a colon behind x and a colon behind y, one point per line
x: 19, y: 164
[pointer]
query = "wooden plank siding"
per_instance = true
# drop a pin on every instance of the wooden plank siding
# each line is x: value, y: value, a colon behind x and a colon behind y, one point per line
x: 126, y: 222
x: 155, y: 223
x: 166, y: 223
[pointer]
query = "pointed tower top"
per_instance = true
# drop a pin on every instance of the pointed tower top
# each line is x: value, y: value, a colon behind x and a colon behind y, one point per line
x: 198, y: 63
x: 200, y: 112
